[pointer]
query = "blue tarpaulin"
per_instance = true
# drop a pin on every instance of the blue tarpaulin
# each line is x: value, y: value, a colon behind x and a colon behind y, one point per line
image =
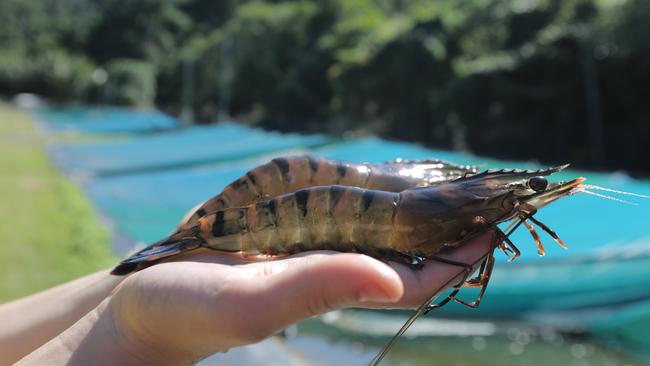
x: 178, y: 149
x: 104, y: 120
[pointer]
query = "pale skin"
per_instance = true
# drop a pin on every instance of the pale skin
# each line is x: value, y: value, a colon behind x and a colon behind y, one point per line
x: 177, y: 313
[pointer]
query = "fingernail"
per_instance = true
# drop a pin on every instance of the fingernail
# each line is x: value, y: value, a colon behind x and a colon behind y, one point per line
x: 373, y: 293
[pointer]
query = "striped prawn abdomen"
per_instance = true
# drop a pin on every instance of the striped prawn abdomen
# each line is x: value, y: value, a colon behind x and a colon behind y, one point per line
x: 288, y: 174
x: 325, y: 217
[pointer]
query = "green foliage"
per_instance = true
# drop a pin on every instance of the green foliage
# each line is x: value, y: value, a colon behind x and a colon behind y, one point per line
x: 62, y: 75
x: 49, y: 231
x: 485, y: 74
x: 131, y: 82
x: 277, y: 66
x: 40, y: 40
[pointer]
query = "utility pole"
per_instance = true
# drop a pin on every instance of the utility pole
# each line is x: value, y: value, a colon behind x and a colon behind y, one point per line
x: 225, y: 78
x: 187, y: 95
x: 592, y: 103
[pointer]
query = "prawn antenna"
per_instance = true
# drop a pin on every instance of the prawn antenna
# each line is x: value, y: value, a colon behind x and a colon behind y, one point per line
x: 612, y: 190
x: 606, y: 197
x: 420, y: 310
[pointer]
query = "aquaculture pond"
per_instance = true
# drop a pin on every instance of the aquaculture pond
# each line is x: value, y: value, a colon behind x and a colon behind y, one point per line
x: 589, y: 305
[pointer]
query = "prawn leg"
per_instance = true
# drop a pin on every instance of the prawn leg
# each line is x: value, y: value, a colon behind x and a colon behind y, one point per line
x: 476, y: 281
x: 467, y: 271
x: 483, y: 277
x: 508, y: 247
x: 547, y: 229
x: 540, y: 247
x: 485, y: 273
x: 482, y: 281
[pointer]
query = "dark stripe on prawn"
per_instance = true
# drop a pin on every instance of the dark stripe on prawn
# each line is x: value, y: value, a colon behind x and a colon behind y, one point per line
x: 341, y: 169
x: 283, y: 165
x: 272, y: 205
x: 302, y: 195
x: 251, y: 177
x: 313, y: 164
x: 239, y: 183
x: 270, y: 208
x: 217, y: 225
x: 335, y: 193
x: 366, y: 199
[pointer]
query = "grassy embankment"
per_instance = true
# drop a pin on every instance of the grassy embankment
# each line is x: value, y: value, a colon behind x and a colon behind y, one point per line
x: 49, y: 231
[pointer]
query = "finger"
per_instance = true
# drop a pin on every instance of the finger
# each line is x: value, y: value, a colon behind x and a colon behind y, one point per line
x: 309, y: 285
x: 300, y: 287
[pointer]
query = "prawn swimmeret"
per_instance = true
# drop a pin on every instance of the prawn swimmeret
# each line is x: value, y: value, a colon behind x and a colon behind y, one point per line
x: 404, y: 211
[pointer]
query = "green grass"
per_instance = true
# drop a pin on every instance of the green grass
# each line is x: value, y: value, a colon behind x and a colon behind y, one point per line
x: 49, y: 231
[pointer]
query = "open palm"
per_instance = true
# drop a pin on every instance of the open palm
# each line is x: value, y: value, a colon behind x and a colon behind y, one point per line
x: 179, y: 312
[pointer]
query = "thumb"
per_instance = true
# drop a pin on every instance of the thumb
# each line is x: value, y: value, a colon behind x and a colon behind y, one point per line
x: 308, y: 285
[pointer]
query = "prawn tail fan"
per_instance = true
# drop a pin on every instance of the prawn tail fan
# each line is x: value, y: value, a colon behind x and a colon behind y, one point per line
x: 154, y: 254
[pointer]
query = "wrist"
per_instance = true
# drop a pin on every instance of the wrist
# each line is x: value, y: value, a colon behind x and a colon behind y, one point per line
x: 97, y: 339
x: 127, y: 346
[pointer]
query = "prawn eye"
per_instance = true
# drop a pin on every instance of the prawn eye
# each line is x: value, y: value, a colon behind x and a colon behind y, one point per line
x: 538, y: 184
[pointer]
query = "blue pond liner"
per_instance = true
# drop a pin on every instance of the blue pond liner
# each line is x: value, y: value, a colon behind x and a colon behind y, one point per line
x: 103, y: 120
x: 178, y: 149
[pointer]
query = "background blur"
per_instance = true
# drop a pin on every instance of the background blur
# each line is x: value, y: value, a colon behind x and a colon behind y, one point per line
x: 119, y: 116
x: 544, y: 79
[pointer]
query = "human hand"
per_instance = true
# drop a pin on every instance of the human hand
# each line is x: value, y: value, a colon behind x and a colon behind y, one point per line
x: 179, y: 312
